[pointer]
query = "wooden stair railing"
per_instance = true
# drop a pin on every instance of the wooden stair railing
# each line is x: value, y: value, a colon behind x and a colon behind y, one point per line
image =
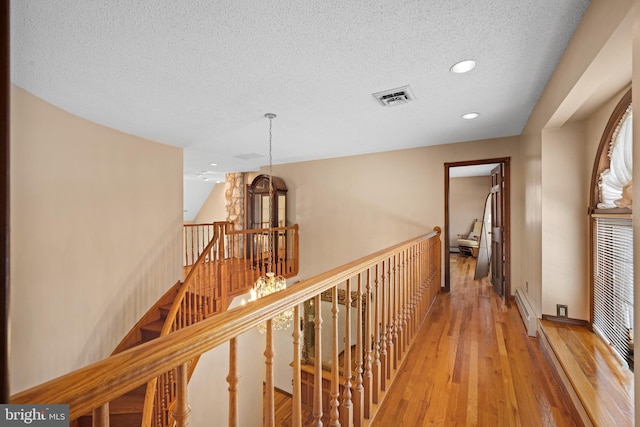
x: 226, y: 267
x: 210, y: 284
x: 401, y: 282
x: 196, y: 238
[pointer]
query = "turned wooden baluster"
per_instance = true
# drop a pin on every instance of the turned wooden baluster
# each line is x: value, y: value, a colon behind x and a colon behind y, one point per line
x: 184, y: 311
x: 391, y: 355
x: 426, y: 272
x: 412, y: 291
x: 100, y: 416
x: 432, y: 276
x: 408, y: 299
x: 182, y: 409
x: 186, y: 232
x: 317, y: 376
x: 358, y: 390
x: 383, y: 329
x: 347, y: 404
x: 401, y: 323
x: 397, y: 315
x: 158, y: 403
x: 195, y: 239
x: 165, y: 399
x: 427, y: 275
x: 368, y: 349
x: 438, y: 261
x: 232, y: 380
x: 269, y: 398
x: 296, y: 404
x: 416, y: 286
x: 334, y: 413
x: 422, y: 278
x: 403, y: 299
x: 173, y: 388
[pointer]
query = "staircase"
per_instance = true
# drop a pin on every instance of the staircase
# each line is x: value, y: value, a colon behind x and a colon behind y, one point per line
x: 210, y: 284
x: 126, y: 410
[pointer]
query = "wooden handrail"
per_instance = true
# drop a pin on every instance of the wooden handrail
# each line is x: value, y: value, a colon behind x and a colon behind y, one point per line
x: 95, y: 385
x: 187, y: 281
x: 226, y: 266
x: 156, y: 388
x: 196, y: 237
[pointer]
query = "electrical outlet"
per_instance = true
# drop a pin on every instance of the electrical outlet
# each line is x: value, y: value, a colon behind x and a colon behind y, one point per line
x: 562, y: 310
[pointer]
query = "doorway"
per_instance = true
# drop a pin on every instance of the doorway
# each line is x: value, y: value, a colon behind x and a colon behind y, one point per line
x: 499, y: 196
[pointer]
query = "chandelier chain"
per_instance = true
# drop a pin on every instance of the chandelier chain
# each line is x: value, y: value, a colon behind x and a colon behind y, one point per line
x: 268, y: 284
x: 271, y: 248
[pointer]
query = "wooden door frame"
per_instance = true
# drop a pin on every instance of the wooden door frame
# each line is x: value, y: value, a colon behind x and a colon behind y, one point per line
x: 506, y: 162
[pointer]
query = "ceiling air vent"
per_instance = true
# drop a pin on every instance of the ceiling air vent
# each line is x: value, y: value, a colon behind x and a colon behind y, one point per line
x: 248, y: 156
x: 393, y: 97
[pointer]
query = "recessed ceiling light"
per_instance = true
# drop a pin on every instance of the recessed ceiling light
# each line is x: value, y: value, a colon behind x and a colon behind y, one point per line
x: 463, y: 66
x: 213, y: 164
x: 470, y: 116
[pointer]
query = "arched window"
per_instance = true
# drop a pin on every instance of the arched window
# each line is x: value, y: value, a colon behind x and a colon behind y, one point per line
x: 612, y: 234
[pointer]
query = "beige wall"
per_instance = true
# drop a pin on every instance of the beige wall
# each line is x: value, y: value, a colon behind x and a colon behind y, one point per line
x: 568, y: 155
x: 95, y: 237
x: 531, y: 244
x: 564, y: 221
x: 350, y: 207
x: 595, y: 66
x: 467, y: 199
x: 213, y: 209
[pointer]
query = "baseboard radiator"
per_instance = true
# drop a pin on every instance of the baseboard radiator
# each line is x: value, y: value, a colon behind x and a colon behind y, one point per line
x: 526, y: 312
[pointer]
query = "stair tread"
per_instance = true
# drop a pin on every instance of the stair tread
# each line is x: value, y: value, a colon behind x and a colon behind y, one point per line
x: 129, y: 403
x: 115, y: 420
x: 155, y: 326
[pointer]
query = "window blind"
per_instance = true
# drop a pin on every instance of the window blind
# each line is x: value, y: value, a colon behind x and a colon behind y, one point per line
x: 613, y: 283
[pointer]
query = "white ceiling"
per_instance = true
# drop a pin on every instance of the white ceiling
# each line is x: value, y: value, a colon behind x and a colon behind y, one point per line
x: 471, y: 170
x: 201, y: 74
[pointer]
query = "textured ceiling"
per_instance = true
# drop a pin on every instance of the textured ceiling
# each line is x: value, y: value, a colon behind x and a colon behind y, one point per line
x: 201, y: 74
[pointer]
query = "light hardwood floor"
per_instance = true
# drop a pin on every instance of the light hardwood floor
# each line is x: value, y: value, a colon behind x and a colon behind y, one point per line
x: 473, y: 364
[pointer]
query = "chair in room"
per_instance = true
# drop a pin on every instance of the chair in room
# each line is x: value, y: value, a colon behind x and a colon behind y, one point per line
x: 469, y: 245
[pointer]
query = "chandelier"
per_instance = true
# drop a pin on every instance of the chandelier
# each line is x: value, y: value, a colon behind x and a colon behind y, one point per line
x: 271, y: 283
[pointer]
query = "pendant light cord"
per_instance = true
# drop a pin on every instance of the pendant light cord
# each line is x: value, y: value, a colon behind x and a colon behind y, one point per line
x: 270, y: 116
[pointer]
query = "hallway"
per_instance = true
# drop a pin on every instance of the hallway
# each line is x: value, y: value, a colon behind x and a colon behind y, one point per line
x: 473, y: 364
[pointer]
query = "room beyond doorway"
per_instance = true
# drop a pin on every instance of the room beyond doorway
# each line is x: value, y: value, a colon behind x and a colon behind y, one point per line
x: 497, y: 171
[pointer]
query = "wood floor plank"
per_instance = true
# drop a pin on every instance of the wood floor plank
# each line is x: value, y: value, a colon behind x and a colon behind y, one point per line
x: 472, y: 363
